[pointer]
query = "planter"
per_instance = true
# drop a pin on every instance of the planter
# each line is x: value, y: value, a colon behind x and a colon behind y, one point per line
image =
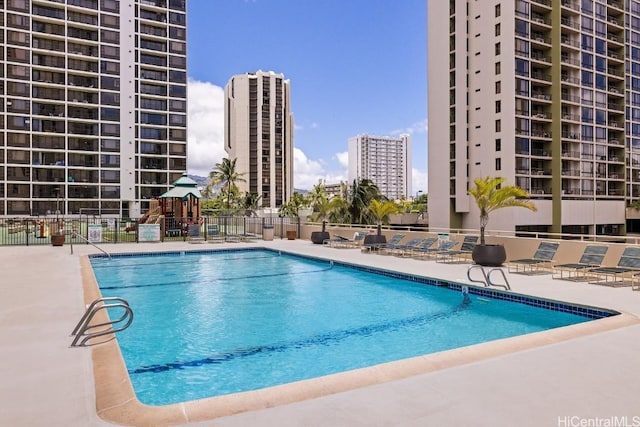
x: 317, y: 237
x: 291, y: 235
x: 57, y: 239
x: 489, y: 255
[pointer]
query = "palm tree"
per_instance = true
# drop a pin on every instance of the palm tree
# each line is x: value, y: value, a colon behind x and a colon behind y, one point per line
x: 490, y: 196
x: 250, y: 203
x: 225, y: 173
x: 364, y: 191
x: 293, y: 206
x: 381, y: 210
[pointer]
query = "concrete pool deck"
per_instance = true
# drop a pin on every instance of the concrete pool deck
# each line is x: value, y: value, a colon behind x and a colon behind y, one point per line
x: 594, y: 376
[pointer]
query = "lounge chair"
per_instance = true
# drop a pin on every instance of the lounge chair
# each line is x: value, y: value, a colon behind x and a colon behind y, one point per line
x: 620, y: 275
x: 394, y: 240
x: 540, y: 263
x: 395, y: 249
x: 443, y: 246
x: 343, y: 243
x: 422, y: 246
x: 458, y: 255
x: 591, y: 258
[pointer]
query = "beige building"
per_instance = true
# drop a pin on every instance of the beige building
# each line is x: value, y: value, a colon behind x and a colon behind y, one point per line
x: 384, y: 160
x: 92, y: 105
x: 259, y: 134
x: 535, y: 91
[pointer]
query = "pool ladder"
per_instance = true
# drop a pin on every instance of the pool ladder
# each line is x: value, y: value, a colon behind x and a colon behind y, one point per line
x: 82, y: 330
x: 486, y: 281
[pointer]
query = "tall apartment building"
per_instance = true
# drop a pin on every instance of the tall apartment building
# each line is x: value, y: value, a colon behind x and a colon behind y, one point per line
x: 545, y: 93
x: 384, y: 160
x: 92, y: 104
x: 259, y: 134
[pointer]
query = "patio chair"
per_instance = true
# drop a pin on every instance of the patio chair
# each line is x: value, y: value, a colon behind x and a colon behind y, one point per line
x: 358, y: 239
x: 622, y: 274
x: 458, y: 255
x: 423, y: 245
x: 394, y: 240
x: 540, y: 263
x: 591, y: 258
x: 393, y: 249
x: 443, y: 246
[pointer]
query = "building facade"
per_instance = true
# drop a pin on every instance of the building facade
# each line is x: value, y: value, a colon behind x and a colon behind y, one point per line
x: 544, y: 93
x: 384, y: 160
x: 258, y: 132
x: 92, y: 105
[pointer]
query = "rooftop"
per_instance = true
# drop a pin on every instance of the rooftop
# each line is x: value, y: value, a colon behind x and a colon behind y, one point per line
x: 540, y: 380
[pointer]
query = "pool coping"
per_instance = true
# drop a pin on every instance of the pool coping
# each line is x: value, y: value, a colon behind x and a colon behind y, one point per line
x: 116, y: 401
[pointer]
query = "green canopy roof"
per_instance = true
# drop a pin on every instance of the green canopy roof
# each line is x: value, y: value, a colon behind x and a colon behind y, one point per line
x: 183, y: 187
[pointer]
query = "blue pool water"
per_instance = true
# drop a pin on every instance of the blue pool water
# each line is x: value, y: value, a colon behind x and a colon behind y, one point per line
x: 221, y: 322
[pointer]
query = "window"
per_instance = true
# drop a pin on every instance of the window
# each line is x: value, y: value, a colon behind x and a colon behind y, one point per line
x: 498, y: 125
x: 498, y: 164
x: 498, y: 144
x: 497, y: 8
x: 497, y: 68
x: 498, y: 48
x: 498, y: 106
x: 498, y: 87
x: 497, y: 31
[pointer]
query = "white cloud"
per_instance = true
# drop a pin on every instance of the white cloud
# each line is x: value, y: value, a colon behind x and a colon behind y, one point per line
x: 308, y: 172
x: 419, y: 180
x: 417, y: 127
x: 206, y: 127
x: 343, y: 159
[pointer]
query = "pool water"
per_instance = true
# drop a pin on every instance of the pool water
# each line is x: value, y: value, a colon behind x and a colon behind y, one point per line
x: 221, y: 322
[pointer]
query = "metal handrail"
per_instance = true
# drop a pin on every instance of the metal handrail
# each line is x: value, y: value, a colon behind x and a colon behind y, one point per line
x: 73, y: 233
x: 81, y: 328
x: 487, y: 277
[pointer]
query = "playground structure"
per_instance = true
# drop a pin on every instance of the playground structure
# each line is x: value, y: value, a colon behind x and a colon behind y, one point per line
x: 174, y: 210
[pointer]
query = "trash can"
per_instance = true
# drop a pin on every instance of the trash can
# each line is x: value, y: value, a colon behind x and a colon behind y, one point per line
x: 267, y: 232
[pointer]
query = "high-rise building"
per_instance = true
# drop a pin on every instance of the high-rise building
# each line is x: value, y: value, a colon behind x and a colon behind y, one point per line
x: 384, y: 160
x: 258, y: 132
x: 544, y: 93
x: 92, y: 104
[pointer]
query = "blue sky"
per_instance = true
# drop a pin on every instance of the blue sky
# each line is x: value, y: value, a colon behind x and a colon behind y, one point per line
x: 355, y: 66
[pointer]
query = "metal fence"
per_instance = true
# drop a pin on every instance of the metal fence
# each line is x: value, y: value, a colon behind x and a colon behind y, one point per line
x: 26, y: 231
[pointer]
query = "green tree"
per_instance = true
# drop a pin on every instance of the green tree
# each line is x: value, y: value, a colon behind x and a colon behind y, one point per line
x: 250, y: 203
x: 363, y: 192
x: 225, y: 173
x: 381, y: 210
x: 293, y: 206
x: 490, y: 195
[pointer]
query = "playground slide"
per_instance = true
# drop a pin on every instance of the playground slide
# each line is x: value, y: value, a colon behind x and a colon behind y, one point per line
x: 143, y: 219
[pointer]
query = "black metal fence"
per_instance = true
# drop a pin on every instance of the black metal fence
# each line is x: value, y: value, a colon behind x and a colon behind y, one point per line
x: 25, y: 231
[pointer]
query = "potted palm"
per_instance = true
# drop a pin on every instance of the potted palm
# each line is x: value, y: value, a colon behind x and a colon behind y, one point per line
x: 490, y: 195
x: 322, y: 208
x: 380, y: 211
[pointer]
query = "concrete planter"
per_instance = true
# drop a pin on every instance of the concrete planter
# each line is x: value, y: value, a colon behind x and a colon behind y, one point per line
x: 489, y: 255
x: 317, y: 237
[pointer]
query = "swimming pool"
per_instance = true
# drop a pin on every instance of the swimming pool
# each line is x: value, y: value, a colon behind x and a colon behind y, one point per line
x: 218, y: 322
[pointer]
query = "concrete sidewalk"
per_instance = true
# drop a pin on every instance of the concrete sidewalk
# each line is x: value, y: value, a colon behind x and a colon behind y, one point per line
x: 46, y: 383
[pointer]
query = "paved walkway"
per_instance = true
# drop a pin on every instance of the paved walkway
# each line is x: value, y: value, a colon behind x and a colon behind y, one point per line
x: 595, y: 377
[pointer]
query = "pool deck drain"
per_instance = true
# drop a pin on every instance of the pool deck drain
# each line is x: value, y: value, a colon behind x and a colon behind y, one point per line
x: 556, y: 375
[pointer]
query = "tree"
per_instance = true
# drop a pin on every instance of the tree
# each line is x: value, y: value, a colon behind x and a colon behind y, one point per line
x: 381, y: 210
x: 490, y: 196
x: 293, y: 206
x: 364, y: 191
x: 225, y: 173
x: 250, y: 203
